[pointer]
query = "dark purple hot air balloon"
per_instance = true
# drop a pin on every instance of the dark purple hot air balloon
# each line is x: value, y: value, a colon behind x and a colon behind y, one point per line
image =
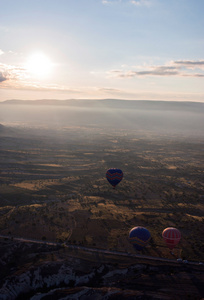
x: 114, y: 176
x: 139, y: 237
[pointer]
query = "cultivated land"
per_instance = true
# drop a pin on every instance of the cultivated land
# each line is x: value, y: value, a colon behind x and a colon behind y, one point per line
x: 53, y: 188
x: 57, y: 189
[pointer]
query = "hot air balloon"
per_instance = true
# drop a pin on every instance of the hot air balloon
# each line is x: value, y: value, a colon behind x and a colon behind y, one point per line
x: 139, y: 237
x: 171, y: 237
x: 114, y: 176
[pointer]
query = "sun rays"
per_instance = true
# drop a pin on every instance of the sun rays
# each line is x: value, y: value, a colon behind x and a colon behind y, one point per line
x: 39, y: 65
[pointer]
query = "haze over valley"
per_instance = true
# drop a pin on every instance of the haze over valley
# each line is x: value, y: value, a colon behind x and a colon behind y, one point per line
x: 59, y: 212
x: 154, y: 117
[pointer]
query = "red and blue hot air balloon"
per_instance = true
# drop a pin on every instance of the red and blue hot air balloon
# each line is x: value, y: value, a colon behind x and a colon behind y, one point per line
x: 171, y: 237
x: 139, y: 237
x: 114, y: 176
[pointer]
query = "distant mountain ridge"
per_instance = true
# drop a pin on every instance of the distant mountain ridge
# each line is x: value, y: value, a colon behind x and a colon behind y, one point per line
x: 113, y: 103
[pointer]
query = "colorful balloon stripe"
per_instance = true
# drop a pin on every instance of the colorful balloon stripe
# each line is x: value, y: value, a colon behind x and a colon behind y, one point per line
x: 114, y: 176
x: 135, y: 240
x: 171, y: 237
x: 139, y: 237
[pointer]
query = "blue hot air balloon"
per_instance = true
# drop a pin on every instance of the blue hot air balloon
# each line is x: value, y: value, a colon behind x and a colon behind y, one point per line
x: 139, y: 237
x: 114, y: 176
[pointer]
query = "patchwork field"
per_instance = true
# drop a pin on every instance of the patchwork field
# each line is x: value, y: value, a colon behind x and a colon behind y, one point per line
x: 53, y: 187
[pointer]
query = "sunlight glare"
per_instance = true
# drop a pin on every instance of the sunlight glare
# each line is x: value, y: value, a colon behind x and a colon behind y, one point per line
x: 39, y: 65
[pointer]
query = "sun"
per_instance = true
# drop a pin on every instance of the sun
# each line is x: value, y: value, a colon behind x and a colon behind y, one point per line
x: 39, y: 65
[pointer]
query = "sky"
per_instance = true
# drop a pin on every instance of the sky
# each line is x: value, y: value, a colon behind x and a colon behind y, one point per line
x: 99, y: 49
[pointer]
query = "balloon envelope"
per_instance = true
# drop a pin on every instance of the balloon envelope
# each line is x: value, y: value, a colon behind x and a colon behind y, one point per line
x: 114, y: 176
x: 171, y: 237
x: 139, y: 237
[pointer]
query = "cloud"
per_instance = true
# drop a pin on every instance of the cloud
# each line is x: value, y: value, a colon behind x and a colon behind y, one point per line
x: 2, y: 77
x: 108, y: 2
x: 153, y: 71
x: 192, y: 75
x: 13, y: 77
x: 190, y: 63
x: 105, y: 2
x: 181, y: 68
x: 1, y: 52
x: 140, y: 2
x: 48, y: 87
x: 11, y: 72
x: 109, y: 90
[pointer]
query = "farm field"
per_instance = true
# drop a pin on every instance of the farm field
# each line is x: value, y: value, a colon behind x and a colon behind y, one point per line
x: 53, y: 187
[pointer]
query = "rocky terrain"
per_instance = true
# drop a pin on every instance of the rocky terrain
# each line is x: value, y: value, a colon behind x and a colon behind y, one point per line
x: 36, y: 272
